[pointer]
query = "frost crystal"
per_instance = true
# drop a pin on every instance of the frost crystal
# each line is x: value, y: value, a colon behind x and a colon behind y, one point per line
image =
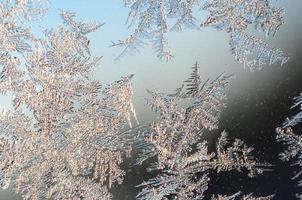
x: 237, y: 195
x: 14, y: 38
x: 293, y: 142
x: 154, y: 19
x: 253, y: 52
x: 176, y: 141
x: 64, y: 138
x: 298, y: 117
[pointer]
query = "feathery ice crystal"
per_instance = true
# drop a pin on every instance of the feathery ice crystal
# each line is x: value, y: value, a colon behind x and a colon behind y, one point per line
x: 293, y: 142
x: 176, y: 141
x: 154, y: 19
x: 63, y: 139
x: 238, y: 196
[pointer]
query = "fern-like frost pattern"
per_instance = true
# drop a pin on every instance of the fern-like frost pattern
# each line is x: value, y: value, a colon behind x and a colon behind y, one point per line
x: 63, y: 139
x: 176, y: 141
x: 152, y: 21
x: 292, y: 142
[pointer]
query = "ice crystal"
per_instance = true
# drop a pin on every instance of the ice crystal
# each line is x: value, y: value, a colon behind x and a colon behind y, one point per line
x: 253, y: 52
x: 14, y: 38
x: 237, y: 196
x: 204, y: 102
x: 298, y: 117
x: 293, y: 142
x: 184, y: 172
x: 154, y: 19
x: 176, y: 141
x: 64, y: 138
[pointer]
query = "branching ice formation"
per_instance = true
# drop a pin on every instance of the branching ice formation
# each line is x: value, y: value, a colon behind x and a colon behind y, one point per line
x: 154, y: 19
x: 238, y: 196
x: 293, y: 142
x: 176, y: 141
x: 14, y: 38
x: 64, y: 138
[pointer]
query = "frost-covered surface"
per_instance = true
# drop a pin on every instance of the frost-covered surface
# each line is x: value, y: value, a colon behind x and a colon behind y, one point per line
x: 63, y: 139
x: 176, y: 141
x: 292, y: 142
x: 154, y: 19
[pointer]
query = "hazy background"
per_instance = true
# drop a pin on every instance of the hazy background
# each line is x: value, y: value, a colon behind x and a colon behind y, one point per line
x: 258, y: 101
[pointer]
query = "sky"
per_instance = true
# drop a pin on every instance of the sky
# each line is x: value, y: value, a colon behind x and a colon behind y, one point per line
x: 209, y: 47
